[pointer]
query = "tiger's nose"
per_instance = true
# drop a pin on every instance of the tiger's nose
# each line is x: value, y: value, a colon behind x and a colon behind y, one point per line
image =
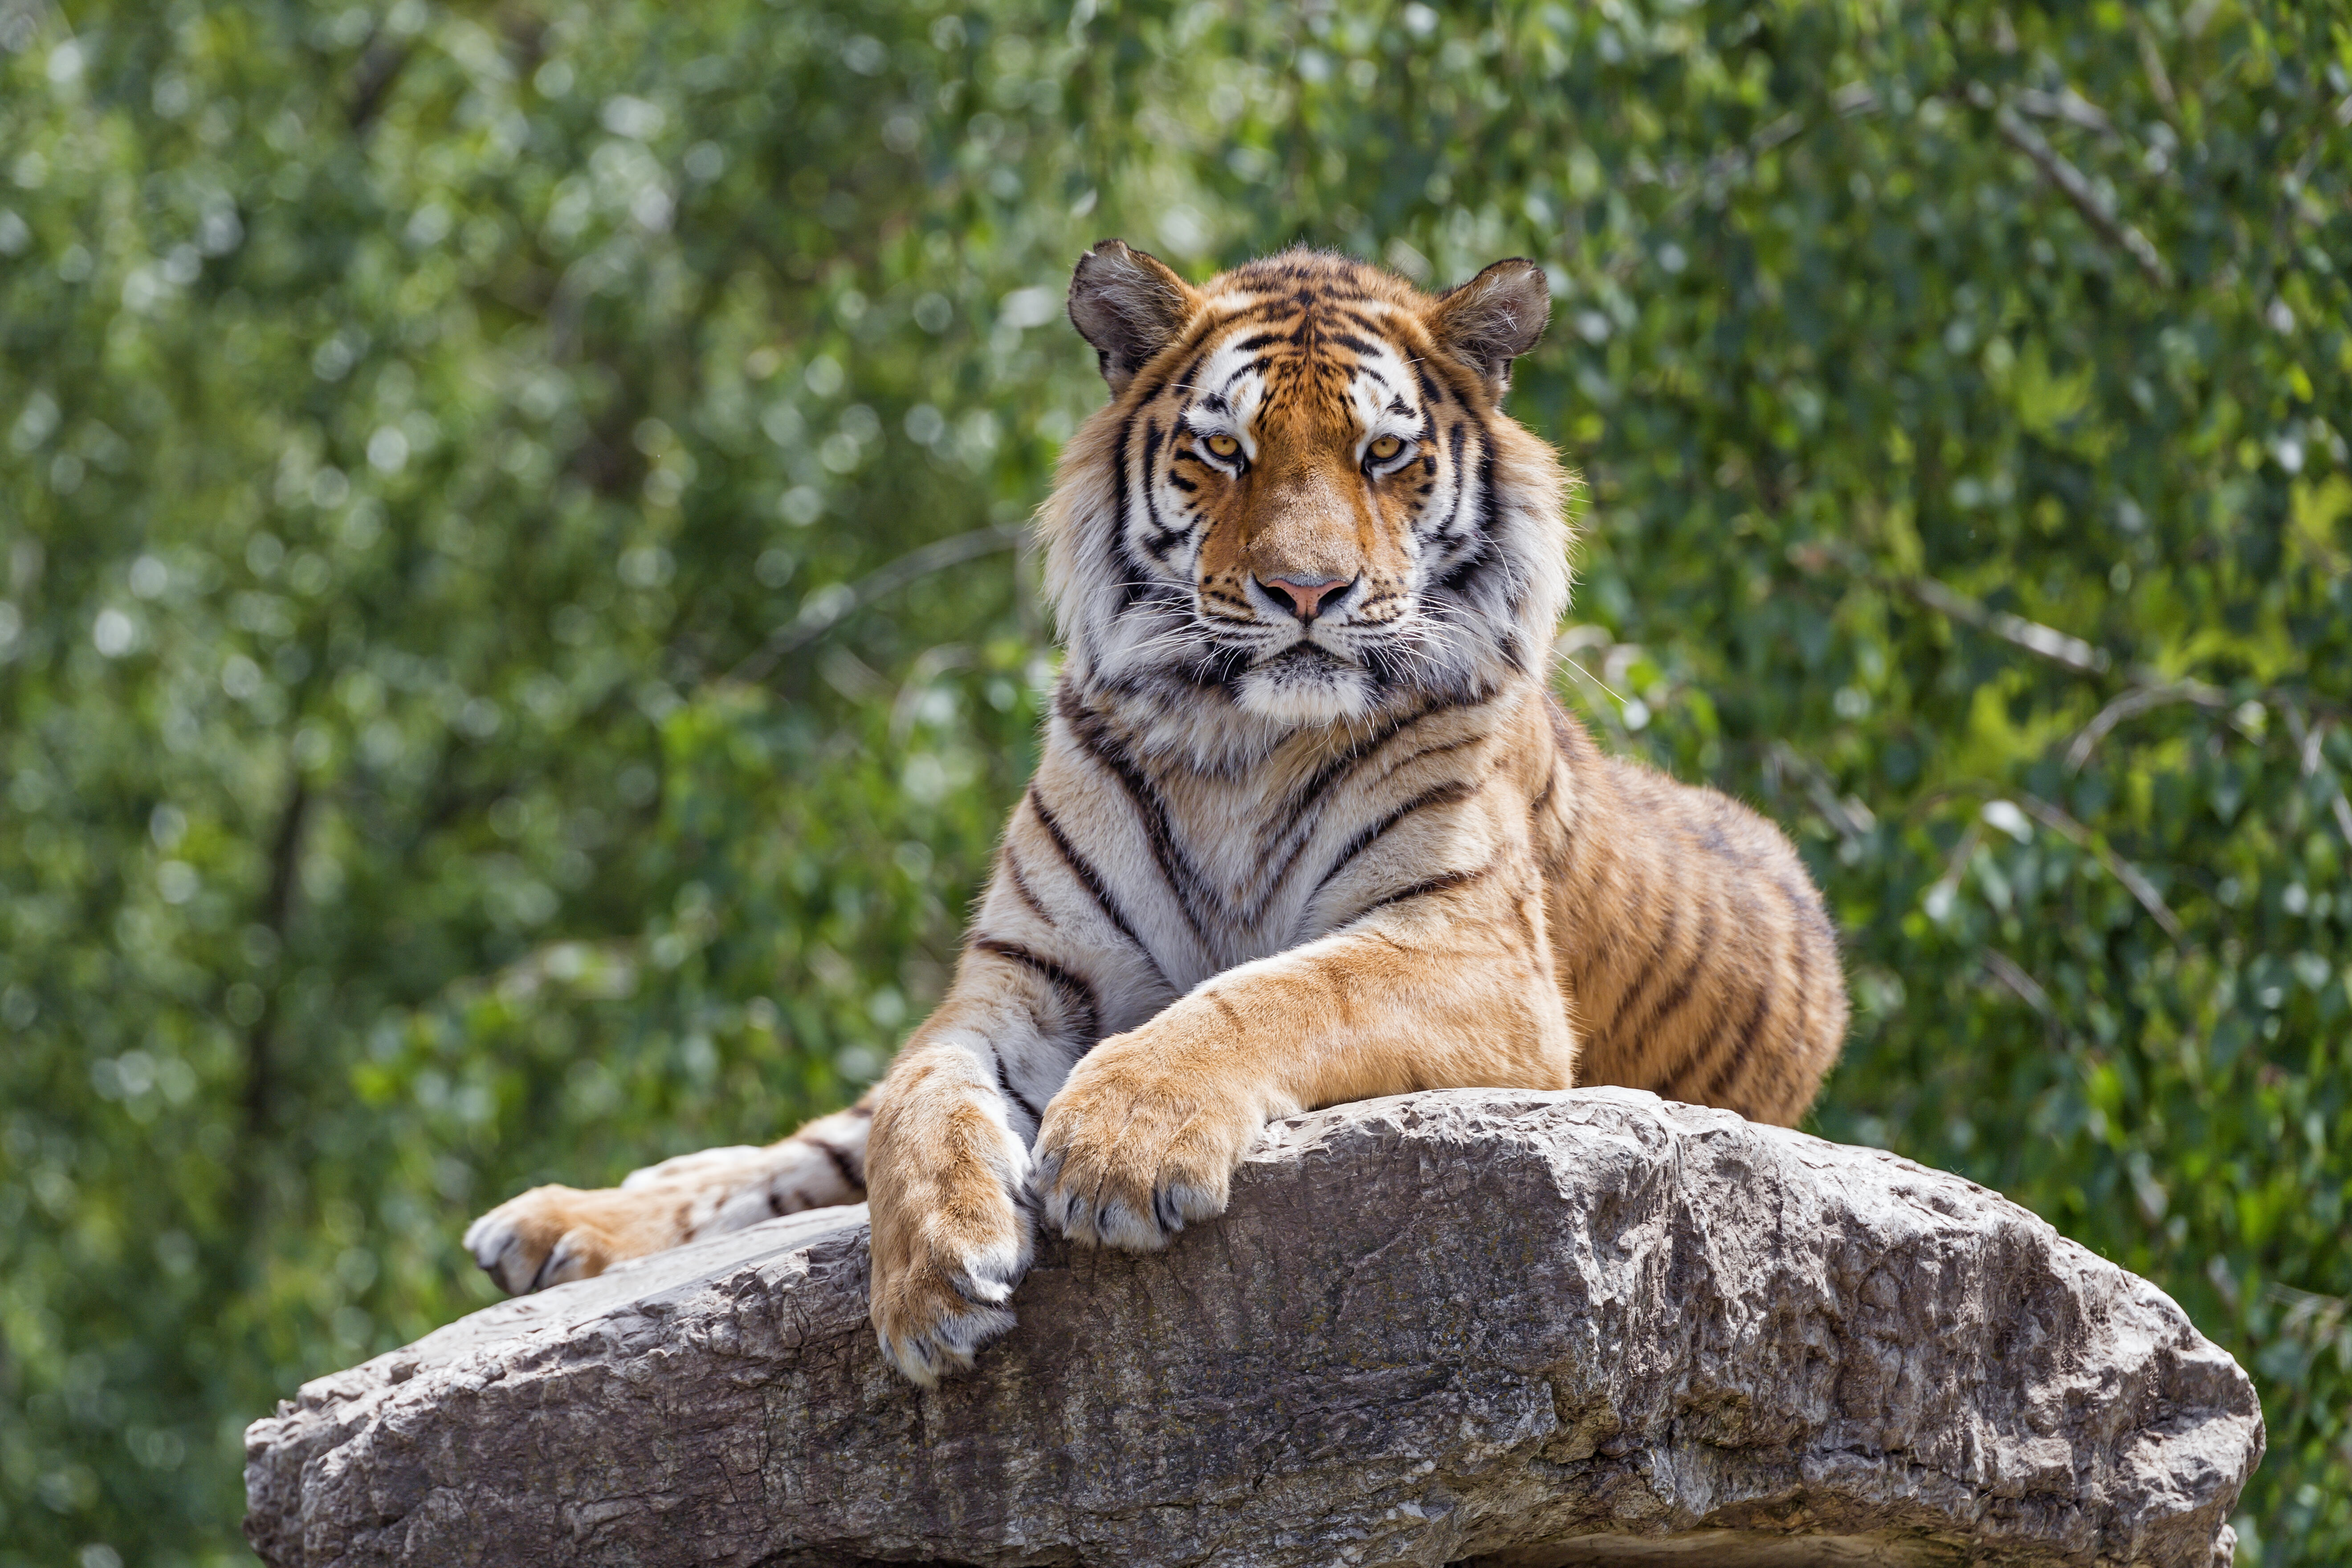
x: 1306, y: 596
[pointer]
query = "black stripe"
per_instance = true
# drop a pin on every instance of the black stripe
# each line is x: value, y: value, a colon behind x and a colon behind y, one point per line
x: 1454, y: 440
x: 1296, y: 828
x: 1640, y: 984
x: 1678, y: 995
x: 1135, y: 584
x: 1004, y: 1082
x: 1021, y: 885
x: 1486, y: 483
x: 1741, y: 1047
x: 1458, y: 579
x: 1447, y: 794
x: 1184, y: 882
x: 1191, y: 368
x: 1161, y: 537
x: 1339, y: 769
x: 1481, y: 521
x: 851, y: 1174
x: 1437, y: 750
x: 1215, y: 670
x: 1075, y: 990
x: 1090, y: 879
x: 1132, y: 579
x: 1458, y: 381
x: 1445, y: 884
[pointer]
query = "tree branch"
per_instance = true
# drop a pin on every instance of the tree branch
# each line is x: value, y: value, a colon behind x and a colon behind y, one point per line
x: 2032, y: 636
x: 2308, y: 740
x: 829, y: 606
x: 2133, y: 703
x: 2123, y: 870
x: 2072, y: 184
x: 380, y: 66
x: 2006, y: 970
x: 276, y: 913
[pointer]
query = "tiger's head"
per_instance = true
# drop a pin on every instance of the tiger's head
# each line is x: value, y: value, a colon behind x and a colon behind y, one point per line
x: 1303, y: 502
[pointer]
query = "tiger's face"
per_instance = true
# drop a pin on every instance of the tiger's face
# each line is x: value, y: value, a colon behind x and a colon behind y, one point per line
x: 1303, y: 500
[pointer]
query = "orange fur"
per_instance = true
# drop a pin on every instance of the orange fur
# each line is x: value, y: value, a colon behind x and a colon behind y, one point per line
x: 1287, y: 845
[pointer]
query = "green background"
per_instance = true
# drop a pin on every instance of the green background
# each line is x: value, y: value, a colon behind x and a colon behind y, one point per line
x: 512, y: 659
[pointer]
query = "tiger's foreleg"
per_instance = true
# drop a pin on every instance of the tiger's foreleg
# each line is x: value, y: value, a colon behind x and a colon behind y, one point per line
x: 1451, y: 989
x: 954, y: 1224
x: 553, y: 1234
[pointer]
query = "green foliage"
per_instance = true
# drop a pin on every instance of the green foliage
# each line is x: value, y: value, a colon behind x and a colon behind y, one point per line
x: 511, y: 663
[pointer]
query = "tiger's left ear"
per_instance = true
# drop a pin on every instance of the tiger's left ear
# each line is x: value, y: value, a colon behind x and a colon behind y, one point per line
x: 1128, y: 305
x: 1494, y: 319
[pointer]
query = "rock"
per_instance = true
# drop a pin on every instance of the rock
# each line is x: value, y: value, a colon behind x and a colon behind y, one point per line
x: 1518, y: 1329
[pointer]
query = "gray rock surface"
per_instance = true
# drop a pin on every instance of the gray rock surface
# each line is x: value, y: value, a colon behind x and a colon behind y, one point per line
x: 1517, y: 1328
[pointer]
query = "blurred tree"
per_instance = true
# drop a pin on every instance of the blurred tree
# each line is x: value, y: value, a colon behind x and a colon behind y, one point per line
x: 512, y: 653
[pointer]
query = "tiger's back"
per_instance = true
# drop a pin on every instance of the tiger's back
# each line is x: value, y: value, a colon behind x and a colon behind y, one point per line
x: 1693, y: 947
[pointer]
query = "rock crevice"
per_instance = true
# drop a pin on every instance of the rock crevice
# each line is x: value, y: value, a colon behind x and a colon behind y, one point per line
x: 1515, y: 1329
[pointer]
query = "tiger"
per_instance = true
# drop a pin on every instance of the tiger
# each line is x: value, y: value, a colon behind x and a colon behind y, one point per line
x: 1309, y: 826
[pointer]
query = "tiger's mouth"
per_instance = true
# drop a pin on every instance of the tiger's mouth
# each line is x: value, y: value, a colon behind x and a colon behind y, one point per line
x: 1328, y: 644
x: 1307, y: 684
x: 1305, y: 655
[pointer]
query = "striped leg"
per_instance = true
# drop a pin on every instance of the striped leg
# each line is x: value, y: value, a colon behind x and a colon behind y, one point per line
x: 1050, y: 967
x: 952, y: 1228
x: 553, y: 1234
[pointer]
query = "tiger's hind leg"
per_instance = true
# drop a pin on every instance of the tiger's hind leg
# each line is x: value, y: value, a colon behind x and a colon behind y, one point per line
x: 554, y: 1233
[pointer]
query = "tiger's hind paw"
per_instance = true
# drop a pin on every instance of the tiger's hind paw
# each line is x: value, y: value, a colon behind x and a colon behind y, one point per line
x: 546, y: 1236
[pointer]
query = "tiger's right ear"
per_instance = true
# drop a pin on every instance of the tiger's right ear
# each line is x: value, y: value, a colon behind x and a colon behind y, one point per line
x: 1129, y: 306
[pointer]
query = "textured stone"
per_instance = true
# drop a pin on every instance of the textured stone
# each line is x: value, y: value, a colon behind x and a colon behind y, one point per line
x: 1518, y: 1329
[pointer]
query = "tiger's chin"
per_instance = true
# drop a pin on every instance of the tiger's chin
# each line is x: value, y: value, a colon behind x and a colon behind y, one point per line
x: 1304, y: 687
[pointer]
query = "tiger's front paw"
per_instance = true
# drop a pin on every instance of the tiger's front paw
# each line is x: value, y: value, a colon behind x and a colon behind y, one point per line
x: 1136, y: 1144
x: 953, y: 1232
x: 943, y: 1278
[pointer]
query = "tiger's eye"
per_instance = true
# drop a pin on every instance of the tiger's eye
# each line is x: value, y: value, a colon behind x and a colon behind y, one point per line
x: 1223, y: 446
x: 1387, y: 446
